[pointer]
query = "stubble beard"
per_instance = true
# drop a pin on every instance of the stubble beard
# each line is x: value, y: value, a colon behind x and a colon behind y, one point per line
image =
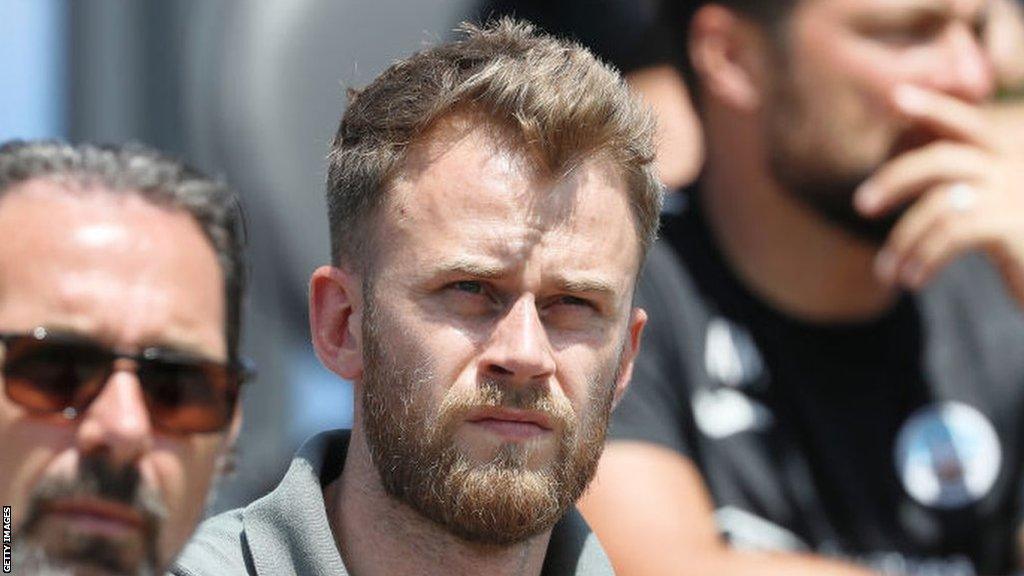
x: 63, y: 551
x: 804, y: 158
x: 498, y: 502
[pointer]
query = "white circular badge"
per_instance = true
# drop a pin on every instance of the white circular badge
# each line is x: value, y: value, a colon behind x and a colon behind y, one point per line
x: 947, y: 455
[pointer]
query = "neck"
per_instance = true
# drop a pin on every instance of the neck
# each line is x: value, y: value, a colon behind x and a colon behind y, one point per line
x: 785, y: 253
x: 378, y: 535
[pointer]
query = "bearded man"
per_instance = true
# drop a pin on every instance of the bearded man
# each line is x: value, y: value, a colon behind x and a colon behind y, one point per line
x: 491, y: 201
x: 833, y: 383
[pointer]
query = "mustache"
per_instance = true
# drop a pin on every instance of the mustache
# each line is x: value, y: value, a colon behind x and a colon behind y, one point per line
x: 495, y: 393
x: 99, y: 479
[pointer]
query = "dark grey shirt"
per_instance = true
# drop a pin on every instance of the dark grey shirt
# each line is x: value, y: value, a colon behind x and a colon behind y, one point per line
x: 895, y: 442
x: 286, y: 532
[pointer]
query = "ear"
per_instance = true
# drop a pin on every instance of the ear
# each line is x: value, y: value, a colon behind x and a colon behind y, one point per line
x: 637, y: 321
x: 728, y: 55
x: 335, y: 309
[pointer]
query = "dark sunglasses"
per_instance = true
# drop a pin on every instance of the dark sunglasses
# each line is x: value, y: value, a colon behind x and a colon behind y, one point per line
x: 48, y: 372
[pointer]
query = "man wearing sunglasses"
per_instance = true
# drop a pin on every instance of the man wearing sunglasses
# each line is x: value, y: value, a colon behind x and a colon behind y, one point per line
x: 121, y: 275
x: 491, y: 200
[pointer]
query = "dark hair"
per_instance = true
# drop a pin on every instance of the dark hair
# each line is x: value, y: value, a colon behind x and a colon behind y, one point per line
x: 769, y: 13
x: 135, y: 169
x: 566, y: 105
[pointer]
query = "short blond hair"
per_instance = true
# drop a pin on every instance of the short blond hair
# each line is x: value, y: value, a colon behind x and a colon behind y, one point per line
x: 566, y: 105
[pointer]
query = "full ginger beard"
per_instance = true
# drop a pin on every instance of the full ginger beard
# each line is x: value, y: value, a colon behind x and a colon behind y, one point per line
x: 498, y: 502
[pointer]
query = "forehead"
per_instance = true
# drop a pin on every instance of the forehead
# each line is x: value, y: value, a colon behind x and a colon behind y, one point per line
x: 471, y: 187
x: 113, y: 265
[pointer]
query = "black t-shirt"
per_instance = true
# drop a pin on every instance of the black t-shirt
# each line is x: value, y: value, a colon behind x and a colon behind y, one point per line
x: 893, y: 443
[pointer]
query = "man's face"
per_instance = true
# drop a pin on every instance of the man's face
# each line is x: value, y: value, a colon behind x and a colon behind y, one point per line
x: 497, y: 331
x: 829, y: 121
x: 106, y: 492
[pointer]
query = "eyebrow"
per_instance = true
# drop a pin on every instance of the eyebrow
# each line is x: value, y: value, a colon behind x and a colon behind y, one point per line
x: 576, y: 284
x: 902, y: 11
x: 586, y: 285
x: 913, y: 9
x: 470, y: 267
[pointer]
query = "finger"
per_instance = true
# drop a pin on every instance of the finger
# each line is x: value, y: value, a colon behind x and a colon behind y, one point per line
x: 944, y: 239
x: 1013, y: 276
x: 946, y: 115
x: 908, y: 175
x: 907, y: 233
x: 1006, y: 249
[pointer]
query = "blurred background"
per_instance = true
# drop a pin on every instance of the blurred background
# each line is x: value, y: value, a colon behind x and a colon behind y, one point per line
x: 253, y: 91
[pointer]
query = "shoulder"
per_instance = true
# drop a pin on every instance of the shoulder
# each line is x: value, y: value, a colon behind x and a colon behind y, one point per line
x: 218, y: 548
x: 672, y: 285
x: 677, y: 314
x: 975, y: 330
x: 970, y: 294
x: 669, y: 294
x: 574, y: 549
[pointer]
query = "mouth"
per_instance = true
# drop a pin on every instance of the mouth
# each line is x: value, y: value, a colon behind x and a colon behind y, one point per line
x: 101, y: 517
x: 512, y: 424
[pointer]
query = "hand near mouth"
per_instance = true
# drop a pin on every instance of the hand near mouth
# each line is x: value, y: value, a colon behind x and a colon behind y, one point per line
x: 963, y: 190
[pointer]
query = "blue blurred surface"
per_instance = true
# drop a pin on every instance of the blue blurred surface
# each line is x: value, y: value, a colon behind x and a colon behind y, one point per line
x: 32, y: 68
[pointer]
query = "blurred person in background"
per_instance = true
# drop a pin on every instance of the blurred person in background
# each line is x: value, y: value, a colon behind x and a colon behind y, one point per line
x: 832, y: 381
x: 632, y: 36
x: 121, y: 277
x: 491, y: 200
x: 629, y: 35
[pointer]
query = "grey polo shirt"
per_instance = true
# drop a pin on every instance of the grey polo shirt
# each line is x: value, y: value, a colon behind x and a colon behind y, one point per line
x: 286, y: 533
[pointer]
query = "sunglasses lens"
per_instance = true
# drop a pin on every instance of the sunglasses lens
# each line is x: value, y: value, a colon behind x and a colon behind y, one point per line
x: 188, y: 398
x: 49, y: 377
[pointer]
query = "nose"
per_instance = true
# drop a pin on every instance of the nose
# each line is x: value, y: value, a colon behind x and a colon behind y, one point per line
x: 117, y: 421
x: 518, y: 349
x: 967, y: 71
